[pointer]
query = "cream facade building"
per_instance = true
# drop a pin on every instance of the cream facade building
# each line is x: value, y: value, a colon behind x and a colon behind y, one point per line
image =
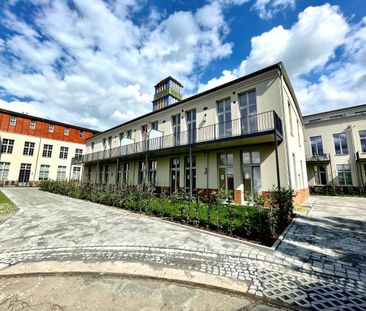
x: 335, y: 144
x: 245, y: 136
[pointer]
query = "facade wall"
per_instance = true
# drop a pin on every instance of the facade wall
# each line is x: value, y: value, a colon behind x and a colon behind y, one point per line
x: 351, y: 124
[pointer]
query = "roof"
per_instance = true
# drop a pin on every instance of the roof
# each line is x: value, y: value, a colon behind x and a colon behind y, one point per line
x: 169, y: 78
x: 335, y: 110
x: 27, y: 116
x: 278, y: 66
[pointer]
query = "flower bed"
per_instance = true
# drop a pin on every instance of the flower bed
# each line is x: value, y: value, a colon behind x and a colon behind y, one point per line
x: 250, y: 222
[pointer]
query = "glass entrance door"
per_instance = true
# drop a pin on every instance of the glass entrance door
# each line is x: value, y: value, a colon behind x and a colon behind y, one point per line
x: 251, y: 175
x: 174, y: 174
x: 24, y: 172
x: 248, y: 112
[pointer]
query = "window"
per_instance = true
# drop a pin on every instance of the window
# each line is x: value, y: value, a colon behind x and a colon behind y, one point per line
x: 61, y: 173
x: 174, y: 174
x: 314, y: 120
x: 12, y: 121
x: 152, y: 172
x: 101, y: 170
x: 154, y: 125
x: 295, y: 170
x: 320, y: 175
x: 121, y: 136
x: 363, y: 140
x: 78, y: 152
x: 88, y: 176
x: 141, y: 177
x: 226, y: 172
x: 32, y: 125
x: 340, y: 143
x: 92, y: 146
x: 344, y: 174
x: 106, y: 174
x: 81, y: 134
x: 298, y: 132
x: 64, y: 151
x: 251, y: 174
x: 191, y: 126
x: 144, y: 131
x: 110, y: 141
x: 28, y: 148
x: 224, y: 118
x: 104, y: 143
x: 187, y: 172
x: 47, y: 151
x: 76, y: 170
x: 4, y: 170
x: 336, y: 116
x: 44, y: 172
x: 129, y: 134
x: 248, y: 112
x: 66, y: 131
x: 7, y: 145
x: 126, y: 173
x: 176, y: 129
x: 51, y: 128
x: 316, y: 145
x: 24, y: 173
x: 290, y: 117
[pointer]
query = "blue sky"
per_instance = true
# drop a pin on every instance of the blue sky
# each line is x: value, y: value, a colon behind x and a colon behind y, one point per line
x: 94, y: 62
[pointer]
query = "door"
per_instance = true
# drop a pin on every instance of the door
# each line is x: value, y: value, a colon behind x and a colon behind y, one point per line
x: 176, y: 129
x: 248, y: 112
x: 191, y: 126
x: 224, y: 118
x: 174, y: 174
x: 24, y: 172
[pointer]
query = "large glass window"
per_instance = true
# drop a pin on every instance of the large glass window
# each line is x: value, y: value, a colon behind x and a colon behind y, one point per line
x: 142, y: 171
x: 76, y: 172
x: 187, y: 172
x: 191, y: 126
x: 7, y: 145
x: 363, y: 140
x: 119, y: 173
x: 316, y: 145
x: 152, y: 172
x: 78, y: 152
x: 320, y: 175
x: 4, y: 170
x: 344, y: 174
x: 176, y: 129
x: 106, y: 174
x: 64, y: 151
x: 174, y: 174
x: 28, y: 148
x: 24, y: 173
x: 44, y: 172
x: 225, y: 170
x: 61, y: 172
x: 126, y: 172
x: 47, y: 151
x: 340, y: 143
x: 248, y: 112
x: 224, y: 118
x: 251, y: 174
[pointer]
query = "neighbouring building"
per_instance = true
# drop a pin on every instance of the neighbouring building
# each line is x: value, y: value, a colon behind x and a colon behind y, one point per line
x: 34, y: 149
x: 245, y: 136
x: 335, y: 145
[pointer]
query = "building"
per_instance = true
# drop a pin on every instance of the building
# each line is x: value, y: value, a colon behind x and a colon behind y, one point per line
x: 245, y: 136
x: 335, y: 145
x: 34, y: 149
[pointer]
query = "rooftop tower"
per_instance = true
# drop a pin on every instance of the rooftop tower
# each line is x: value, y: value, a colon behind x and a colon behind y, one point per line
x: 167, y: 92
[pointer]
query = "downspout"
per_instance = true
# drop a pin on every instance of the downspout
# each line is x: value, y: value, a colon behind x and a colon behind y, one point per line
x: 39, y: 149
x: 285, y: 131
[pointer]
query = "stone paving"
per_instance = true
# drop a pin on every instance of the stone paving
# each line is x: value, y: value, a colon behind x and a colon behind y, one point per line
x: 304, y: 270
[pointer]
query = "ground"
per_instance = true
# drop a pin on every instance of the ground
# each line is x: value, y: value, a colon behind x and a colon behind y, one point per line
x: 319, y: 263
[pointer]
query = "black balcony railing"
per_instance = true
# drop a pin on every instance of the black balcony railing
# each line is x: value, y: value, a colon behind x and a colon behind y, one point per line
x: 260, y: 123
x: 318, y: 158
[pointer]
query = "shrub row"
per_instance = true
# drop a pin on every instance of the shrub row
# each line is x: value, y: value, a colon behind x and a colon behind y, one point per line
x: 251, y: 222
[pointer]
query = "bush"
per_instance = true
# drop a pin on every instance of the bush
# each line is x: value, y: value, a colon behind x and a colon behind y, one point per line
x: 253, y: 222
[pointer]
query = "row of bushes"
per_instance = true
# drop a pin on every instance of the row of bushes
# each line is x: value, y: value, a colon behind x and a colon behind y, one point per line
x: 251, y: 222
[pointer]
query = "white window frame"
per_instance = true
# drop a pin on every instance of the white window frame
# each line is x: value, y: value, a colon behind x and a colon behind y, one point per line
x: 44, y: 172
x: 64, y: 152
x: 32, y: 125
x: 13, y: 121
x: 66, y: 131
x: 47, y: 151
x: 61, y: 172
x: 4, y: 170
x: 51, y: 128
x: 28, y: 149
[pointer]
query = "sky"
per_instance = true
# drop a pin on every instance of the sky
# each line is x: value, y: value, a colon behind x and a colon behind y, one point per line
x: 94, y: 63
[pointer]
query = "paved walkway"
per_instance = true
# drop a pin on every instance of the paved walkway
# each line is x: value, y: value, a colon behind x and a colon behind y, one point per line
x: 52, y: 227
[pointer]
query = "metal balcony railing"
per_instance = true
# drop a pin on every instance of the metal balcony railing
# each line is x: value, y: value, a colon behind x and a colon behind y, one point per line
x: 318, y: 158
x: 260, y: 123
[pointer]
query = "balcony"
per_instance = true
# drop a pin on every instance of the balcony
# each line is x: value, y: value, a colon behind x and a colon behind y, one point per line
x: 260, y: 128
x: 318, y: 159
x: 361, y: 156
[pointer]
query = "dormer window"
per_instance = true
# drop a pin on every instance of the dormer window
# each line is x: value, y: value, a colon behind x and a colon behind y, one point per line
x: 51, y: 128
x: 66, y: 132
x: 13, y: 121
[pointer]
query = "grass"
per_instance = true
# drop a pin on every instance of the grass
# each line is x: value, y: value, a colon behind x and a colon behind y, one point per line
x: 7, y: 207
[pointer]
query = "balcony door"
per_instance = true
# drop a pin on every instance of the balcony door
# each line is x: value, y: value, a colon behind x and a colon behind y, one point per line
x: 174, y: 174
x: 176, y: 129
x: 24, y: 173
x: 248, y: 112
x: 224, y: 117
x: 191, y: 126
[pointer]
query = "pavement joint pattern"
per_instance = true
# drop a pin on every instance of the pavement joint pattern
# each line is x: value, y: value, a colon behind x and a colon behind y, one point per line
x: 306, y: 274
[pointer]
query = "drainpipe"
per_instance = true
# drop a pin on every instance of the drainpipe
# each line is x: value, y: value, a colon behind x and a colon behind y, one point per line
x: 285, y: 131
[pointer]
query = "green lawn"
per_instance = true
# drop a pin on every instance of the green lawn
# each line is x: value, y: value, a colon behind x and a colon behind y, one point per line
x: 6, y: 206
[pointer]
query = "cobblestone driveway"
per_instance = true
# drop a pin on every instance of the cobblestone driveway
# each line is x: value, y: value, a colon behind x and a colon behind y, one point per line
x: 305, y: 270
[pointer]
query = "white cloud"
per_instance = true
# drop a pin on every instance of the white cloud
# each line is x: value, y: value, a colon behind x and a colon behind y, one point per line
x: 307, y: 50
x: 268, y: 8
x: 94, y: 65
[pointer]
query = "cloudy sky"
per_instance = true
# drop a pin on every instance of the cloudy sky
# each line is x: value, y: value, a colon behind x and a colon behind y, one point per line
x: 94, y: 62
